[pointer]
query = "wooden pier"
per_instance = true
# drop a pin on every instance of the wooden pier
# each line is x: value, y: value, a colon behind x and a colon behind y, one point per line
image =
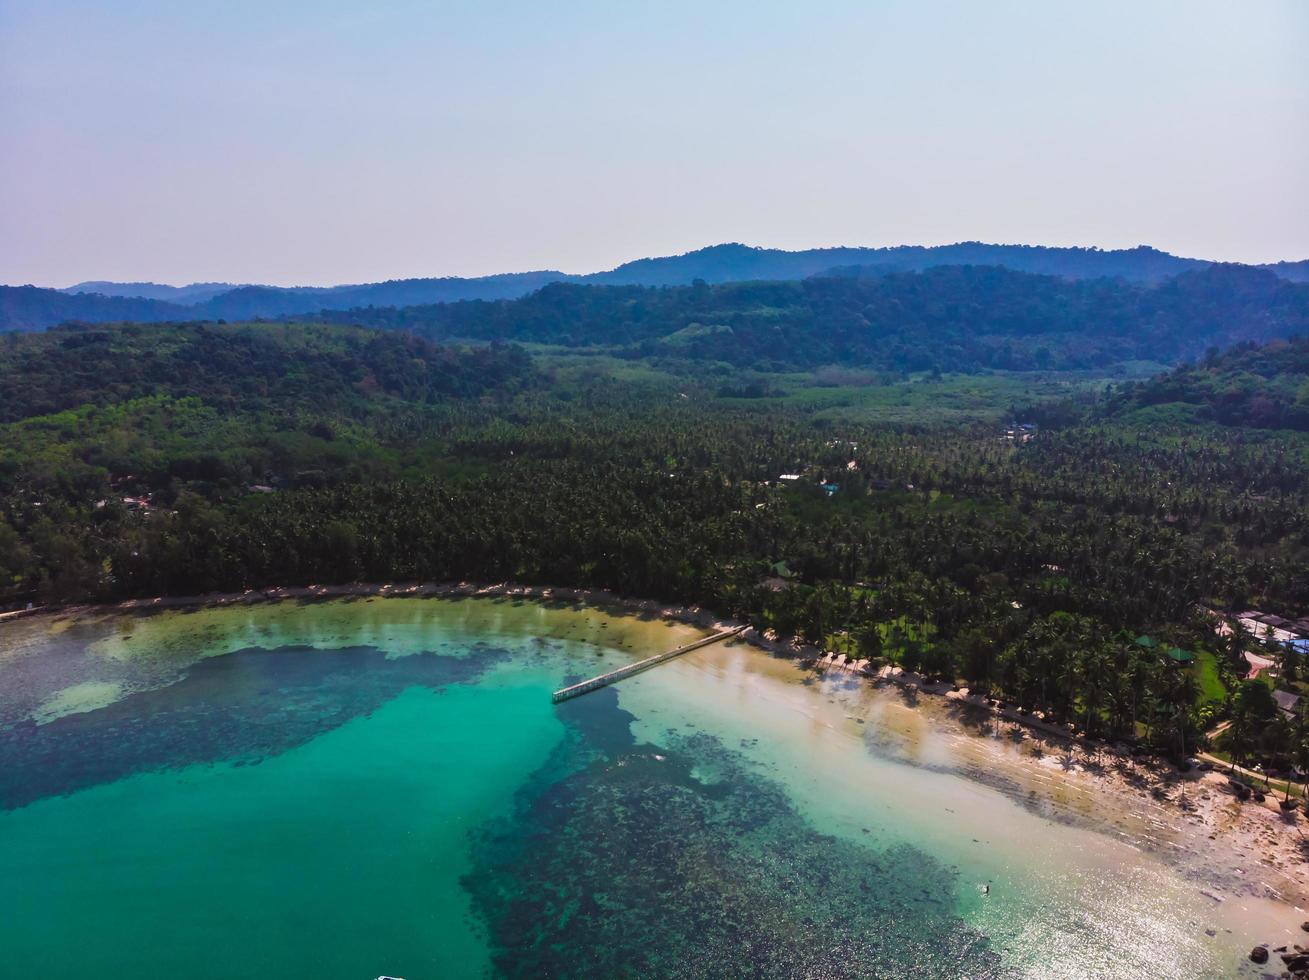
x: 563, y: 694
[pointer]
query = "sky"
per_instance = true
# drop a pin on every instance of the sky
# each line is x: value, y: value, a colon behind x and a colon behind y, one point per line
x: 322, y: 141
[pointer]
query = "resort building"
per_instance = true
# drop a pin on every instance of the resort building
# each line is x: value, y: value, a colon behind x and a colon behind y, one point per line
x: 1286, y: 701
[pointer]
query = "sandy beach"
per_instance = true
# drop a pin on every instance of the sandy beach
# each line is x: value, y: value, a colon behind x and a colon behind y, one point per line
x: 1195, y: 820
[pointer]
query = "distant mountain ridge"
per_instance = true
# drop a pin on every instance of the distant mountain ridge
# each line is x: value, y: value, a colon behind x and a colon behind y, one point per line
x: 1295, y: 271
x: 741, y: 263
x: 24, y: 308
x: 32, y: 308
x: 948, y: 318
x: 196, y: 292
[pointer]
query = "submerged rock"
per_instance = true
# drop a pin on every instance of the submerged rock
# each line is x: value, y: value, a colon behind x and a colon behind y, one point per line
x: 1295, y: 961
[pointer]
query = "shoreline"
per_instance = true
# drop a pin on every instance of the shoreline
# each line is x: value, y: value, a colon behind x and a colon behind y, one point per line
x: 695, y: 615
x: 1260, y: 839
x: 1228, y: 848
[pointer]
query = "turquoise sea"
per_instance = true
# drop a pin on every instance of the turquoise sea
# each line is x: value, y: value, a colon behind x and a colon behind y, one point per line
x: 382, y: 786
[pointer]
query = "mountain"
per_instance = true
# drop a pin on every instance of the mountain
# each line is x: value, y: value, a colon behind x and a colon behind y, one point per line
x: 1295, y: 271
x: 739, y: 263
x: 196, y: 292
x: 949, y: 318
x: 715, y: 264
x: 34, y: 308
x: 25, y: 308
x: 268, y: 301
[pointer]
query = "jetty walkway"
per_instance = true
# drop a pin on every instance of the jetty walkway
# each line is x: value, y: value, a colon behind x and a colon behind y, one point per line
x: 563, y: 694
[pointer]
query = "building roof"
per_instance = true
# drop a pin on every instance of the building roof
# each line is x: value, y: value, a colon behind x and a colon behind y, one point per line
x: 1178, y: 655
x: 1286, y: 700
x: 1149, y: 642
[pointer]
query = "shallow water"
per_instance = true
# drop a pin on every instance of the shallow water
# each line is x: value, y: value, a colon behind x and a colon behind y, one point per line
x: 349, y: 788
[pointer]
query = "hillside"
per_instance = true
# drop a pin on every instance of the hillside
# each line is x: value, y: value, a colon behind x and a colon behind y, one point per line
x: 325, y: 368
x: 715, y: 264
x: 269, y: 301
x: 947, y: 319
x: 1295, y: 271
x: 24, y: 308
x: 189, y: 295
x: 740, y: 263
x: 1248, y: 386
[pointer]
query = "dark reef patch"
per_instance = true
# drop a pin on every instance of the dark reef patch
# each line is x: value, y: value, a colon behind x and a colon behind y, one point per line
x: 679, y: 861
x: 240, y: 707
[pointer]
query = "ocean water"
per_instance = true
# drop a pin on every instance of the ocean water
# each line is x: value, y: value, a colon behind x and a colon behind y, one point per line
x: 350, y: 788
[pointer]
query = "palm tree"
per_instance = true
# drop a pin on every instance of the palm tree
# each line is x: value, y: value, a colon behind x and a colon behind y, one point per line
x: 1239, y: 735
x: 1300, y: 743
x: 1179, y: 696
x: 1238, y: 641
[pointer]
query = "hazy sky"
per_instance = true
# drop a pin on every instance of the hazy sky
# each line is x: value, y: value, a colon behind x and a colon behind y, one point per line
x: 324, y: 141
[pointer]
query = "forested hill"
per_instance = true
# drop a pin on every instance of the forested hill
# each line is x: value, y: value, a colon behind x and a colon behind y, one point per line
x: 741, y: 263
x: 31, y: 308
x: 246, y: 302
x: 1250, y: 386
x: 189, y: 295
x: 27, y: 308
x: 244, y: 367
x: 1295, y: 271
x: 949, y: 318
